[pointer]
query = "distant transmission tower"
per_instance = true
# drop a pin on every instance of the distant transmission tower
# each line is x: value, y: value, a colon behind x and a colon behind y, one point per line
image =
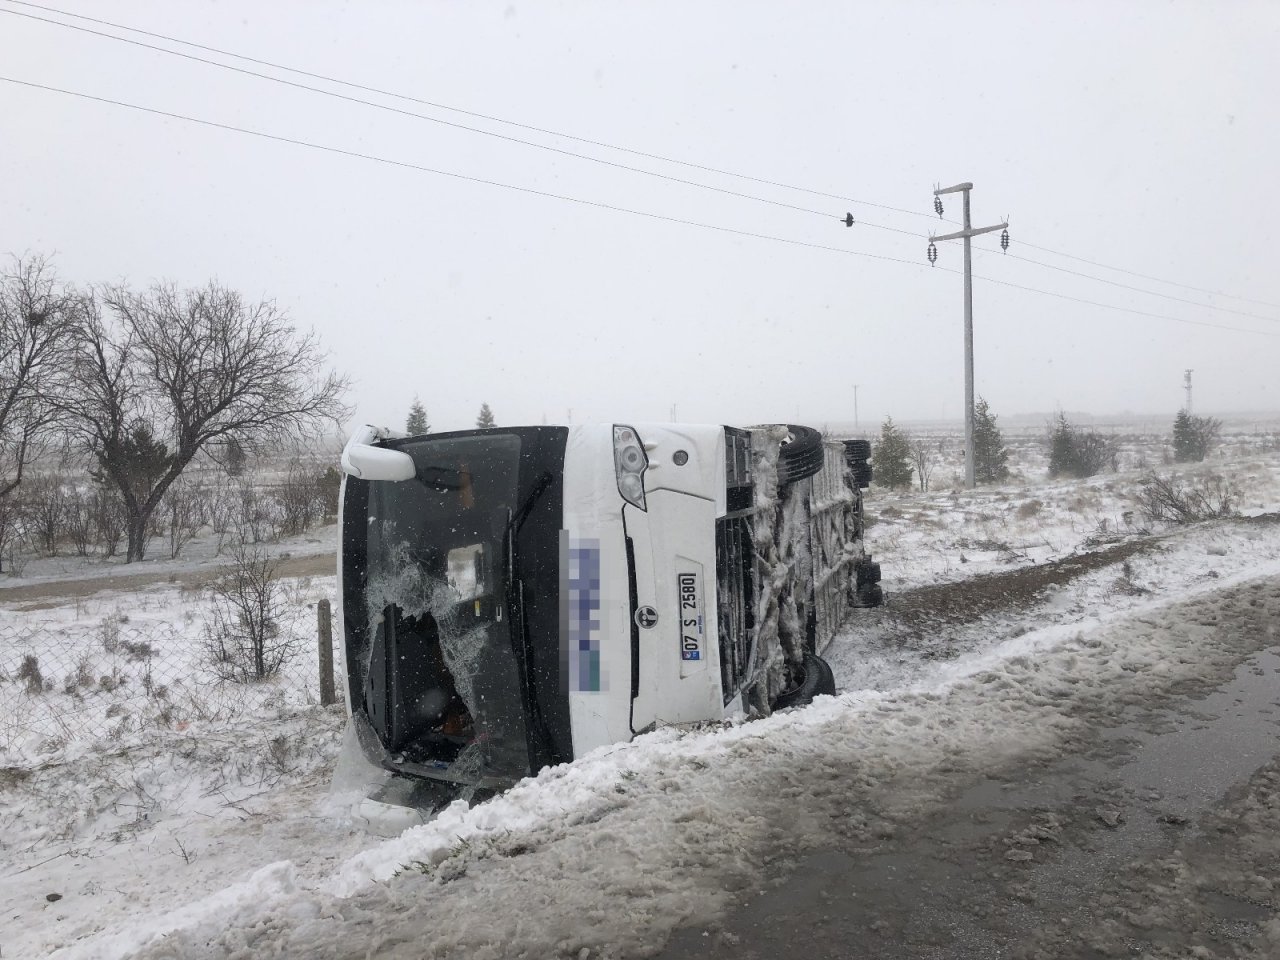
x: 1186, y: 379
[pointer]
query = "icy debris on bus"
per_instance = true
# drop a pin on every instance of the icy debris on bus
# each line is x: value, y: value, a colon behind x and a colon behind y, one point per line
x: 512, y: 598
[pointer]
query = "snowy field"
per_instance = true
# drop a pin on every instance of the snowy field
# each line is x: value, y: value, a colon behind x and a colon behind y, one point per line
x: 1019, y: 618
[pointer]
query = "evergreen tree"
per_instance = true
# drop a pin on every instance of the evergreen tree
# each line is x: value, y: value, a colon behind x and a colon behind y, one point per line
x: 417, y: 422
x: 236, y: 458
x: 1193, y: 437
x: 891, y: 459
x: 1078, y: 453
x: 1062, y: 447
x: 990, y: 458
x: 138, y: 457
x: 1183, y: 441
x: 485, y: 420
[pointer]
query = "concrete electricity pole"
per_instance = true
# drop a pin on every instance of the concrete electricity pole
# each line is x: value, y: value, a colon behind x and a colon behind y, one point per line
x: 855, y: 406
x: 967, y: 234
x: 1187, y: 378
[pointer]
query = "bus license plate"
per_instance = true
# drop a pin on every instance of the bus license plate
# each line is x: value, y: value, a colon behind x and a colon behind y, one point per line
x: 692, y: 627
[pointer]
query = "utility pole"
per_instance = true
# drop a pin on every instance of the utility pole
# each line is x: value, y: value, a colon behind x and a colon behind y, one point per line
x: 855, y: 407
x: 1186, y: 377
x: 967, y: 234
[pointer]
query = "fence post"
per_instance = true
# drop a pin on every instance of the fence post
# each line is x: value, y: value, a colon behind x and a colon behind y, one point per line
x: 325, y: 625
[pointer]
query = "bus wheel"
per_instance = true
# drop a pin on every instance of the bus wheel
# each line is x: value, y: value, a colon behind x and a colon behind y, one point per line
x: 870, y: 595
x: 815, y: 679
x: 855, y: 450
x: 801, y: 456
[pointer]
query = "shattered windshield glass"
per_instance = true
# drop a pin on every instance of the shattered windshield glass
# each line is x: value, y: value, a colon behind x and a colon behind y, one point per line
x: 442, y: 682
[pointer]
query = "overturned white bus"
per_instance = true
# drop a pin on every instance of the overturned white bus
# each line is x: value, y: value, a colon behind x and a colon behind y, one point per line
x: 512, y: 598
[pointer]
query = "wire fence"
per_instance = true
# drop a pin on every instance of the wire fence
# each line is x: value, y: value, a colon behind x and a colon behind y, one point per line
x: 75, y: 675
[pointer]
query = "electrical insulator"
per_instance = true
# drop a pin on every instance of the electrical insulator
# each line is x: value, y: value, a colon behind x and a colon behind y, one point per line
x: 937, y: 205
x: 1004, y: 241
x: 933, y: 253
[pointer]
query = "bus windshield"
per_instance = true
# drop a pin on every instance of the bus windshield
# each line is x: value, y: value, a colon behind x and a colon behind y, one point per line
x: 442, y: 685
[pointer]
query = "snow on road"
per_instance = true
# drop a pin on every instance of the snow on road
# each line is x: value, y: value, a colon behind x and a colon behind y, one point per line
x: 607, y: 856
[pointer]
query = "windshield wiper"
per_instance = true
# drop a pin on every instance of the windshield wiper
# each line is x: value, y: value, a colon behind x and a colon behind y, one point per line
x: 539, y: 488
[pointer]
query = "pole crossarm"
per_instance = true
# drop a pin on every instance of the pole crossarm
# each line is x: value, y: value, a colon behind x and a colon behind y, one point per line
x: 958, y: 188
x: 962, y: 234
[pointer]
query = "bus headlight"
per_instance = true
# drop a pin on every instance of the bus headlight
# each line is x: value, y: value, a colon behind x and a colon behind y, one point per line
x: 629, y: 461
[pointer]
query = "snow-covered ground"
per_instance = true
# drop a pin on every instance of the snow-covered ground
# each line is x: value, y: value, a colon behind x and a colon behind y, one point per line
x: 227, y: 842
x: 103, y: 669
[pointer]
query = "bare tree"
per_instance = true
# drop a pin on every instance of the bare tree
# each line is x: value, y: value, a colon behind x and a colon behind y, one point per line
x: 168, y: 373
x: 37, y: 317
x: 11, y: 528
x: 924, y: 453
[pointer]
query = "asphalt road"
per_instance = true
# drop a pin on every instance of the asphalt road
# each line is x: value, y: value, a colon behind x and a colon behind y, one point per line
x: 46, y: 593
x: 1160, y: 837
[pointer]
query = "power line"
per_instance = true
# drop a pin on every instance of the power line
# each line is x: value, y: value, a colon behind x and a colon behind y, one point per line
x: 442, y: 106
x: 1125, y: 286
x: 565, y: 136
x: 449, y: 173
x: 403, y: 164
x: 1144, y: 276
x: 1111, y: 306
x: 421, y: 116
x: 585, y: 140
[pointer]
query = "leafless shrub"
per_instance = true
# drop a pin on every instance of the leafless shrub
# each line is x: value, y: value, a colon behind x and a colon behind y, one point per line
x: 137, y: 650
x: 14, y: 562
x: 45, y: 501
x: 184, y: 505
x: 109, y: 633
x: 109, y: 520
x: 82, y: 676
x: 256, y: 522
x: 1176, y: 499
x: 77, y: 522
x: 223, y: 512
x: 29, y: 673
x: 112, y: 681
x: 297, y: 501
x: 1029, y: 509
x: 246, y: 638
x: 190, y: 590
x: 297, y: 591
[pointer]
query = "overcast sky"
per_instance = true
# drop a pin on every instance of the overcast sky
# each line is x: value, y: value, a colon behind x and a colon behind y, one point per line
x: 1139, y: 135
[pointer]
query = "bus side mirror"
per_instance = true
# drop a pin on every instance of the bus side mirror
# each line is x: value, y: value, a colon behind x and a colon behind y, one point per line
x: 360, y: 458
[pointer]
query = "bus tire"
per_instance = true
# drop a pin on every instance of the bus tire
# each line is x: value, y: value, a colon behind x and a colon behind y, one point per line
x: 816, y: 681
x: 855, y: 450
x: 868, y: 572
x: 870, y: 595
x: 801, y: 457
